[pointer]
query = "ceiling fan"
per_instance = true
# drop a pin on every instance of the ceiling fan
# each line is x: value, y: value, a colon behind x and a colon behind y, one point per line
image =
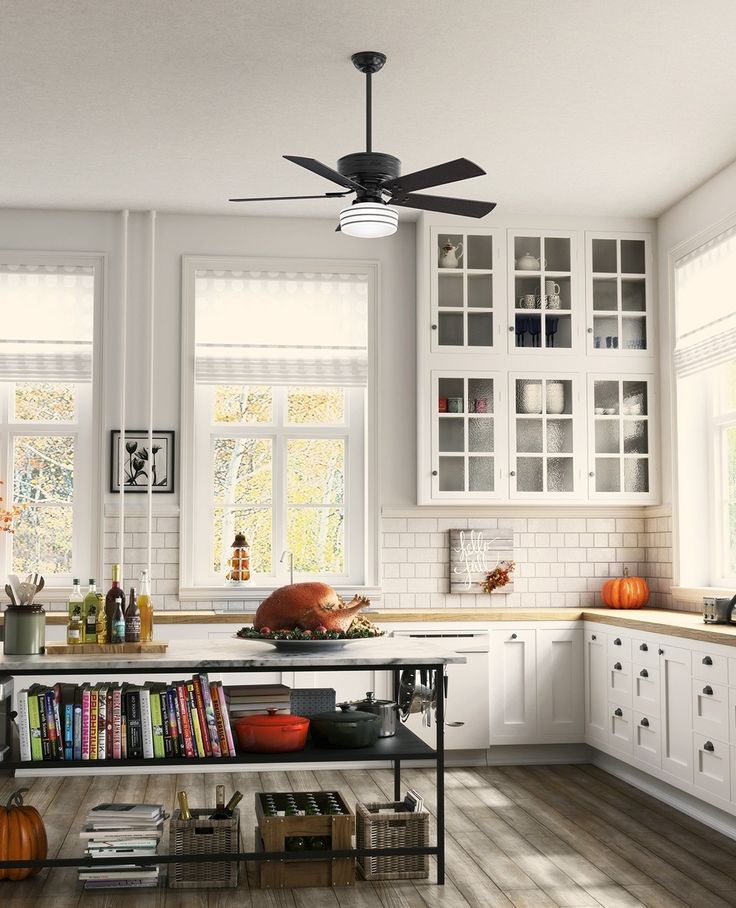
x: 376, y: 179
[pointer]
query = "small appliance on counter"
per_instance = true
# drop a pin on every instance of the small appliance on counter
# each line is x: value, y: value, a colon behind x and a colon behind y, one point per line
x: 719, y: 609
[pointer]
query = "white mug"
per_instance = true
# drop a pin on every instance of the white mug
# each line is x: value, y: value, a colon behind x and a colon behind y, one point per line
x: 551, y: 289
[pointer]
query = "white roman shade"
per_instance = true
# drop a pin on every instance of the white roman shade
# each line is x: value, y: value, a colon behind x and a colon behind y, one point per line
x: 705, y: 304
x: 46, y: 313
x: 281, y: 328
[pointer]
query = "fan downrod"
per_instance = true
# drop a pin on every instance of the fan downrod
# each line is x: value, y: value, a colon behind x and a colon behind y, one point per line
x: 368, y: 61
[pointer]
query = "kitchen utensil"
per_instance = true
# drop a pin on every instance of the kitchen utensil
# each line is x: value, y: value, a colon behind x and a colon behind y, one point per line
x: 522, y: 326
x: 454, y: 405
x: 535, y: 329
x: 530, y: 398
x: 27, y: 592
x: 550, y: 327
x: 14, y: 582
x: 25, y: 630
x: 551, y: 288
x: 450, y: 255
x: 271, y: 733
x: 529, y: 262
x: 386, y: 711
x: 555, y: 397
x: 40, y: 585
x: 553, y: 301
x: 346, y: 728
x: 528, y: 301
x: 11, y: 594
x: 718, y: 609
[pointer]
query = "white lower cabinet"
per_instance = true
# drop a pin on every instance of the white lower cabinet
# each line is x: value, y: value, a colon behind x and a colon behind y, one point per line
x: 710, y: 709
x: 647, y: 740
x: 560, y: 692
x: 676, y: 711
x: 596, y: 687
x: 711, y: 761
x: 513, y: 686
x: 620, y: 728
x: 619, y: 681
x: 645, y: 692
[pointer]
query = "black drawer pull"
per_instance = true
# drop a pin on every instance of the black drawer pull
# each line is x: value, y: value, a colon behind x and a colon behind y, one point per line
x: 645, y: 723
x: 513, y: 636
x: 707, y: 661
x: 618, y: 712
x: 644, y: 673
x: 594, y: 637
x: 708, y: 746
x: 617, y: 641
x: 644, y: 648
x: 661, y: 652
x: 708, y: 690
x: 617, y: 666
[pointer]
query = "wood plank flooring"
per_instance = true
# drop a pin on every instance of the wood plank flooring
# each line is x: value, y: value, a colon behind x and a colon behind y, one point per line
x: 517, y: 837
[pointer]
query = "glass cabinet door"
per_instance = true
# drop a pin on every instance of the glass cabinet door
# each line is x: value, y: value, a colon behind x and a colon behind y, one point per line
x: 618, y: 293
x: 621, y: 438
x: 462, y: 291
x: 544, y: 426
x: 541, y: 291
x: 465, y: 437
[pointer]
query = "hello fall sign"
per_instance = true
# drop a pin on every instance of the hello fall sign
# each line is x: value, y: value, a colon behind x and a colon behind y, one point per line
x: 474, y: 553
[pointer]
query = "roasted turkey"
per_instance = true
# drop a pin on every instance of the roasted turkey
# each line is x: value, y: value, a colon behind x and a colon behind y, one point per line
x: 311, y: 606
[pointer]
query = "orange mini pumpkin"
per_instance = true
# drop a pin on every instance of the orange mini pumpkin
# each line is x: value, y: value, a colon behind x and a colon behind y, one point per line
x: 22, y: 837
x: 625, y: 592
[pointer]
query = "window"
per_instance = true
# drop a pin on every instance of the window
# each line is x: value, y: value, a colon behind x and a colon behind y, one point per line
x: 47, y: 309
x: 279, y: 372
x: 705, y: 370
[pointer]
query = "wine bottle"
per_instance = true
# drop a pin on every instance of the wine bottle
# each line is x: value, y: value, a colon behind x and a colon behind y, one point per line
x: 132, y: 619
x: 89, y: 610
x: 232, y: 803
x: 114, y: 596
x: 117, y: 631
x: 184, y: 812
x: 220, y: 812
x: 146, y: 608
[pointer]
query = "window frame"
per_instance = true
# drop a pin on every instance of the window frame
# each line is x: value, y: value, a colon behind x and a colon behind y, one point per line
x: 87, y: 537
x: 721, y: 421
x: 363, y: 580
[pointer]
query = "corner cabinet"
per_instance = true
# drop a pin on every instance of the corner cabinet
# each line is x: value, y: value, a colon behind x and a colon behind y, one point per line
x: 536, y: 369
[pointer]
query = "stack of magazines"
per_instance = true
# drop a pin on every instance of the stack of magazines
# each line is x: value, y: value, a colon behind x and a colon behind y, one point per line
x: 122, y: 831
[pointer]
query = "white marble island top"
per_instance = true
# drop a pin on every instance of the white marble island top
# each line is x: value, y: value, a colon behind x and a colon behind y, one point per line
x: 239, y: 655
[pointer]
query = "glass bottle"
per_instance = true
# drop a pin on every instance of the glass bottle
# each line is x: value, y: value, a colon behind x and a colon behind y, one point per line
x: 132, y: 619
x: 146, y: 608
x: 101, y: 628
x: 238, y: 564
x: 75, y: 627
x: 89, y: 611
x: 220, y: 813
x: 117, y: 626
x: 184, y: 812
x: 76, y: 599
x: 115, y: 596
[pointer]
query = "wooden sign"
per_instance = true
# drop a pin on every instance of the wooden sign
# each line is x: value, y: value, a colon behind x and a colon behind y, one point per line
x: 473, y: 553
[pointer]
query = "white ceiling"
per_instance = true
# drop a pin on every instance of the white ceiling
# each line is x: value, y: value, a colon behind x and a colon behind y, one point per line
x: 577, y: 106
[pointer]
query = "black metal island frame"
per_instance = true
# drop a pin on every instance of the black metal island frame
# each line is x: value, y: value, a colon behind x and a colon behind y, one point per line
x: 247, y: 657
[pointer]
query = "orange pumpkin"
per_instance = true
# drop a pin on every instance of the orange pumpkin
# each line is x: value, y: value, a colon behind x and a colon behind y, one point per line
x: 22, y: 837
x: 625, y: 592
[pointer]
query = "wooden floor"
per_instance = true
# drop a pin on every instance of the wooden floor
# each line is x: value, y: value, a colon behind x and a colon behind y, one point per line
x: 530, y: 837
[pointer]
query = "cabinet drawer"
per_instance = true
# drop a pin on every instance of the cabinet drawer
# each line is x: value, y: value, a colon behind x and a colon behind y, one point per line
x: 709, y: 667
x: 710, y: 709
x: 712, y: 766
x: 620, y: 731
x: 732, y: 717
x: 619, y: 681
x: 644, y: 653
x: 645, y: 690
x: 647, y: 739
x: 619, y: 648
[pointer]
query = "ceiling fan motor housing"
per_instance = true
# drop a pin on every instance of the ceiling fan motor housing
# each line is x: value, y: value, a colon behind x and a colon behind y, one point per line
x: 369, y: 169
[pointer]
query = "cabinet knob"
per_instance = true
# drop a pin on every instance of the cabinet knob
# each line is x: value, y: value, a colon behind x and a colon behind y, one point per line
x: 513, y: 636
x: 644, y: 648
x: 643, y: 673
x: 707, y: 661
x: 593, y: 637
x: 591, y: 474
x: 708, y: 746
x: 617, y: 667
x: 661, y: 652
x: 590, y: 330
x: 434, y: 472
x: 645, y: 722
x: 511, y: 328
x: 708, y: 690
x: 617, y: 641
x: 512, y: 473
x: 618, y: 712
x: 434, y: 327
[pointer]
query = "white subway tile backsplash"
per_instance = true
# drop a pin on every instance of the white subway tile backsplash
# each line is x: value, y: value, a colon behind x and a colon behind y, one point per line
x: 421, y: 524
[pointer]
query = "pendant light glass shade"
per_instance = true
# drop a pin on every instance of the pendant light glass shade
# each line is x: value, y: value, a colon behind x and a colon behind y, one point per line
x: 369, y: 219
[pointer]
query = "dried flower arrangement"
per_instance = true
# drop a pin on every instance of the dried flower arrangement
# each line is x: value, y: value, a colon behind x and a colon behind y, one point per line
x: 8, y: 515
x: 499, y: 576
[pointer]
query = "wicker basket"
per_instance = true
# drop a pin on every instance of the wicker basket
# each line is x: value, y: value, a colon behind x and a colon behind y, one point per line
x: 201, y: 835
x: 400, y: 829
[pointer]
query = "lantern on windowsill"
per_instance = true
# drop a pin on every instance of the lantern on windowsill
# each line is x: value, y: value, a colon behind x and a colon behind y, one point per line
x: 238, y: 564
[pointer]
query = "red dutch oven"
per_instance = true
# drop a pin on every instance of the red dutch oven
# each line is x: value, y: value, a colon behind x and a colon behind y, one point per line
x: 272, y: 733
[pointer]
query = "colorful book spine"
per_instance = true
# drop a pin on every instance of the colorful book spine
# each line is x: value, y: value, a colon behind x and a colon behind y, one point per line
x: 24, y: 728
x: 201, y: 737
x: 171, y: 710
x: 68, y: 731
x: 53, y: 731
x: 224, y: 750
x: 108, y: 724
x: 34, y: 725
x: 86, y: 703
x: 226, y: 718
x: 94, y: 718
x: 157, y: 725
x: 166, y: 725
x: 146, y: 723
x: 202, y: 688
x: 135, y: 736
x: 57, y: 713
x: 102, y: 723
x: 183, y: 701
x: 77, y: 739
x: 116, y: 723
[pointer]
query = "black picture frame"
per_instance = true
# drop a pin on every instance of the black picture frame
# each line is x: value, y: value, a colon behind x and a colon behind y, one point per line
x: 137, y: 471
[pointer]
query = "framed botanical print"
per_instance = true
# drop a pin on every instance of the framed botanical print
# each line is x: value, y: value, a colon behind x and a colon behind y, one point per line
x: 140, y: 463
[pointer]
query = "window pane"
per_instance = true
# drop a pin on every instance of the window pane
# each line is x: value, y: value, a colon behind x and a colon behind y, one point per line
x: 249, y: 404
x: 44, y: 402
x: 729, y: 386
x: 243, y: 470
x: 316, y: 537
x: 44, y: 468
x: 316, y: 471
x: 731, y: 566
x: 255, y: 523
x: 43, y: 540
x: 315, y: 405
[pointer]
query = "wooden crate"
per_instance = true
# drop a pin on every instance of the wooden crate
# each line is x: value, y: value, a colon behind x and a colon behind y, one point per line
x: 101, y: 649
x: 398, y: 829
x: 202, y: 835
x: 292, y: 873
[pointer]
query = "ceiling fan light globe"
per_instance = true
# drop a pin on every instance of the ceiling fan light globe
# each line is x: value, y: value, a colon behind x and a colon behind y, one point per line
x: 369, y: 220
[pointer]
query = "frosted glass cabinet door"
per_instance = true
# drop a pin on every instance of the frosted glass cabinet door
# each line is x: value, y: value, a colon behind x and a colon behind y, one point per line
x: 619, y: 291
x: 621, y: 438
x: 545, y: 436
x: 468, y: 437
x: 462, y: 269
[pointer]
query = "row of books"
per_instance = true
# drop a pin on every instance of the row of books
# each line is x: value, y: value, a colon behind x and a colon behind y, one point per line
x: 125, y: 721
x: 121, y: 831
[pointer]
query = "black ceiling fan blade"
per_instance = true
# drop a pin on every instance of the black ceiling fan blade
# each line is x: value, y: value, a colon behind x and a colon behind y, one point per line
x: 449, y: 172
x: 323, y: 170
x: 287, y: 198
x: 468, y: 208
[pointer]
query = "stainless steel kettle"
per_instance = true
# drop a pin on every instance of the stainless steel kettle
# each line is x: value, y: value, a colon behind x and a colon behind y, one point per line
x: 718, y: 609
